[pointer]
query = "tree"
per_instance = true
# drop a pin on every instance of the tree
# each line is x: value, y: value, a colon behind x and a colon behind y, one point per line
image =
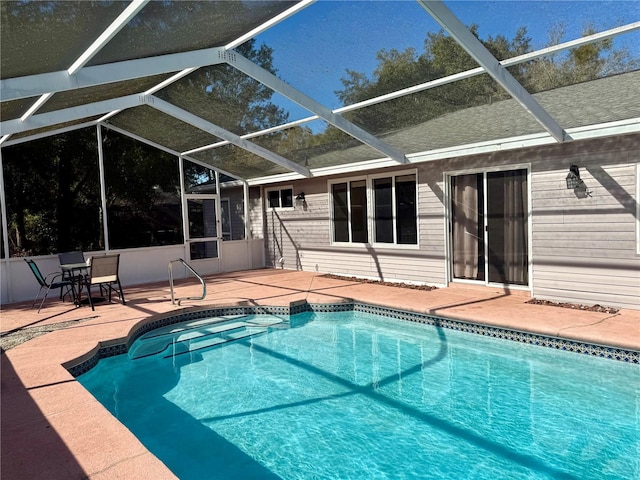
x: 443, y: 56
x: 143, y: 194
x: 52, y: 194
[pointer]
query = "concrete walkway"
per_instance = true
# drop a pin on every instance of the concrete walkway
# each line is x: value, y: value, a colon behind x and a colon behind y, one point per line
x: 54, y: 429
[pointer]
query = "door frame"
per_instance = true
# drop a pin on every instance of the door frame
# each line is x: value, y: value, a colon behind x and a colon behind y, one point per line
x: 207, y: 265
x: 448, y: 226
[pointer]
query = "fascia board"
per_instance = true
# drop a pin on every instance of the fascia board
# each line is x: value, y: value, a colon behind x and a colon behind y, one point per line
x: 608, y: 129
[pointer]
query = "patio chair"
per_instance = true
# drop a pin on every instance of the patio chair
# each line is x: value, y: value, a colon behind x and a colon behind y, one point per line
x: 49, y: 283
x: 104, y: 273
x: 71, y: 258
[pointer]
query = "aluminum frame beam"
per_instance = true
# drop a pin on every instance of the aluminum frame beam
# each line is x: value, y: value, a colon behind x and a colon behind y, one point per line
x: 166, y: 149
x: 267, y: 78
x: 74, y: 113
x: 486, y: 60
x: 50, y: 133
x: 118, y: 24
x: 35, y: 85
x: 269, y: 23
x: 442, y: 81
x: 71, y: 114
x: 238, y: 141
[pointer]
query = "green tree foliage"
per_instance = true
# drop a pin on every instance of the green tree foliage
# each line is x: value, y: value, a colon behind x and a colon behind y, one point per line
x: 142, y: 192
x: 232, y: 100
x: 227, y: 97
x: 442, y: 57
x: 52, y: 194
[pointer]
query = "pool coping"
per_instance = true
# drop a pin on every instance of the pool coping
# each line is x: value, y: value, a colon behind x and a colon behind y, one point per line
x: 120, y: 346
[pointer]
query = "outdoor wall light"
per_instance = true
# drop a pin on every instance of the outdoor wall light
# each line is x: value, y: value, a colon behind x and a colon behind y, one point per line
x: 300, y: 197
x: 573, y: 178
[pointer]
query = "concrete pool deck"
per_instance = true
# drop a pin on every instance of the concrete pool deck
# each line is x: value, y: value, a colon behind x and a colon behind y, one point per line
x: 51, y: 428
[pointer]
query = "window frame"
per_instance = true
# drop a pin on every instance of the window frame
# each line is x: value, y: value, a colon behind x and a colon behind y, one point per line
x: 348, y: 181
x: 394, y: 210
x: 371, y: 219
x: 279, y: 190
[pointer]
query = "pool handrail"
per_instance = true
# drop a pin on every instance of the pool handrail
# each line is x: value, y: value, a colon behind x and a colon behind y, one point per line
x: 204, y: 286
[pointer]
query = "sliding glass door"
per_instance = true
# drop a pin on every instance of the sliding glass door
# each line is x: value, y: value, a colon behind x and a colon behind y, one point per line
x: 489, y: 227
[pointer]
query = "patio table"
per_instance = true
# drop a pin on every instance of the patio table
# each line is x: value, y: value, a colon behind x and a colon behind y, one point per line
x: 75, y: 272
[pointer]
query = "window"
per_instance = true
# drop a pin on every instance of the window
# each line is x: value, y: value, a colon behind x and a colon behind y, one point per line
x: 280, y: 198
x: 406, y: 210
x: 395, y: 211
x: 391, y: 216
x: 350, y: 212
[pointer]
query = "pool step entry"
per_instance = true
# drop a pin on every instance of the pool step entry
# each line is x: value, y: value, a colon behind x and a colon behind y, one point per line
x: 199, y: 334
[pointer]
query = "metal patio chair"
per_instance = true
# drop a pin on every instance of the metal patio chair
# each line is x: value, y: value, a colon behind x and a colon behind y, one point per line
x: 71, y: 258
x: 104, y: 273
x: 49, y: 283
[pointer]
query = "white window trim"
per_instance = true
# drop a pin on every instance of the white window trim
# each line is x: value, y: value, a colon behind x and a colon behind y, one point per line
x: 279, y: 189
x: 371, y: 211
x: 348, y: 181
x: 370, y: 192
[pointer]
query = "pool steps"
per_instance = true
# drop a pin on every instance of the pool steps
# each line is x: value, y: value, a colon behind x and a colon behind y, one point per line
x: 199, y: 334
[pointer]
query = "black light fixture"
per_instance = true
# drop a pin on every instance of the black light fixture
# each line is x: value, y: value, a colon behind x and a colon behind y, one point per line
x: 573, y: 178
x: 300, y: 197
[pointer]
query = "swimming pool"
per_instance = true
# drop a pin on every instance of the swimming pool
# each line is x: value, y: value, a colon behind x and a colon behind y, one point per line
x: 352, y: 395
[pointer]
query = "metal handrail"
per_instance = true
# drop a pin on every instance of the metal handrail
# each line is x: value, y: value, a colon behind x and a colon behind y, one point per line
x: 204, y: 286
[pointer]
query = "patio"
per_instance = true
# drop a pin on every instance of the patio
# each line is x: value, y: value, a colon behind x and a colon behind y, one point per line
x: 52, y: 428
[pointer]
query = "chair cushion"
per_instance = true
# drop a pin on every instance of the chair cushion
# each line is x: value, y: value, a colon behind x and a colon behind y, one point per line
x: 104, y: 279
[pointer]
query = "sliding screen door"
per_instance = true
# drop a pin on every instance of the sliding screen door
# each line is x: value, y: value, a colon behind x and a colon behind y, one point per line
x: 467, y: 206
x: 507, y: 208
x: 489, y: 227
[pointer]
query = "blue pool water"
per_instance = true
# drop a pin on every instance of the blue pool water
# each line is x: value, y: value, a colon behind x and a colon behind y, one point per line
x: 355, y: 396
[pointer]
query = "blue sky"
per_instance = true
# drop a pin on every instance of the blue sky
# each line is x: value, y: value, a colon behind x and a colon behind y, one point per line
x: 313, y: 48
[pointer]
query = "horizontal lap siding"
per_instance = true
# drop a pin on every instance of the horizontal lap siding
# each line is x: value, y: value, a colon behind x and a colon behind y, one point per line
x: 256, y: 225
x: 302, y: 238
x: 574, y: 295
x: 432, y: 219
x: 289, y: 231
x: 584, y: 249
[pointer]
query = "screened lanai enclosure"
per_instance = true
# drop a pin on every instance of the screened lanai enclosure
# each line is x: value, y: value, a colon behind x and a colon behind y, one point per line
x: 428, y: 142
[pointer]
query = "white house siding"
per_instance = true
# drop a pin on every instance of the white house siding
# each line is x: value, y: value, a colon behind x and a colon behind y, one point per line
x: 584, y: 249
x: 256, y: 226
x: 301, y: 238
x: 288, y: 231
